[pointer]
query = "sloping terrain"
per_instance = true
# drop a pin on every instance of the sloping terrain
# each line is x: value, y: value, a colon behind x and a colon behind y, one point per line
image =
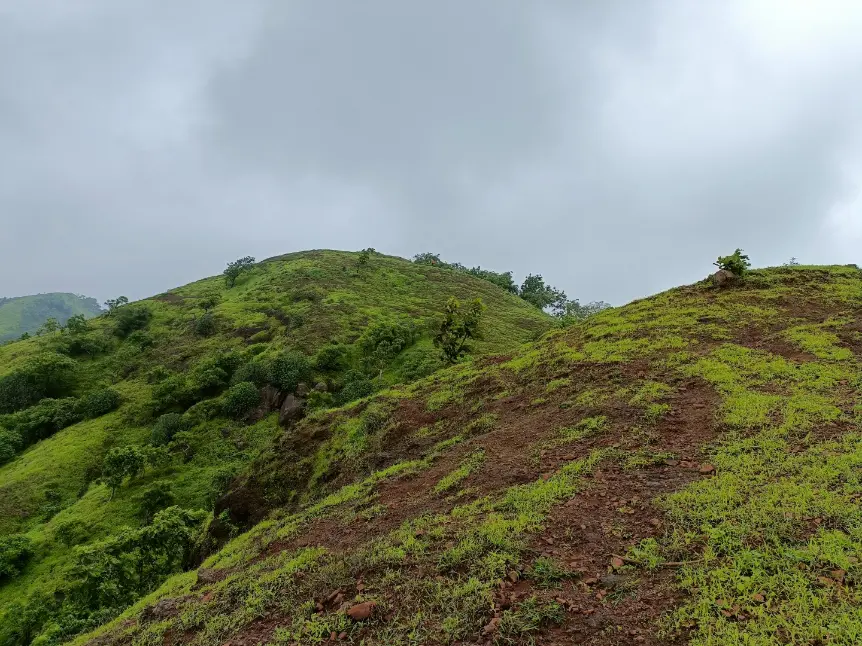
x: 178, y: 394
x: 25, y: 314
x: 684, y: 469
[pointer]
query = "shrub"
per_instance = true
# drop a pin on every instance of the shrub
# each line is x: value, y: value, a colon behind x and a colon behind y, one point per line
x: 254, y: 371
x: 737, y: 263
x: 98, y: 403
x: 43, y: 420
x: 206, y: 325
x: 10, y: 444
x: 207, y: 378
x: 81, y: 345
x: 156, y: 497
x: 140, y: 339
x: 383, y: 341
x: 356, y: 386
x: 240, y: 399
x: 71, y: 532
x: 14, y: 552
x: 537, y: 293
x: 166, y: 427
x: 47, y: 375
x: 288, y: 370
x: 131, y: 318
x: 173, y: 392
x: 331, y: 358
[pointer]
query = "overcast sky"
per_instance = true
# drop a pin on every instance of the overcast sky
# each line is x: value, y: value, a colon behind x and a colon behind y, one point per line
x: 615, y: 147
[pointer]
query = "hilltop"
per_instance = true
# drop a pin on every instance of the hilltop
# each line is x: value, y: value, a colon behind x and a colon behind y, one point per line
x: 178, y: 394
x: 26, y: 314
x: 681, y: 469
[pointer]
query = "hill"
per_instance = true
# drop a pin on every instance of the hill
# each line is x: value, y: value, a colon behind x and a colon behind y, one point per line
x: 119, y: 435
x: 681, y: 469
x: 26, y: 314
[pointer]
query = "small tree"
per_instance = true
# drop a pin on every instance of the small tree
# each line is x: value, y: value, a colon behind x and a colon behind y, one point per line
x: 121, y: 463
x: 457, y: 328
x: 76, y: 324
x: 50, y: 326
x: 537, y: 293
x: 209, y: 301
x: 428, y: 258
x: 115, y: 303
x: 235, y: 268
x: 736, y: 263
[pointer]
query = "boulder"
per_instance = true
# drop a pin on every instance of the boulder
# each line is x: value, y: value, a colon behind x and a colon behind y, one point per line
x: 269, y: 397
x: 320, y: 387
x: 723, y: 277
x: 301, y: 390
x: 292, y: 410
x: 163, y: 609
x: 361, y: 611
x: 207, y: 576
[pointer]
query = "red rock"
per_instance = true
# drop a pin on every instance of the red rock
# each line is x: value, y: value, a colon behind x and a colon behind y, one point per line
x: 492, y: 626
x: 361, y: 611
x: 342, y: 636
x: 617, y: 562
x: 706, y: 468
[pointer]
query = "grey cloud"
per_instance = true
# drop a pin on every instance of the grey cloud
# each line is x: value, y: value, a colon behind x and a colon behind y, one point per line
x: 615, y: 147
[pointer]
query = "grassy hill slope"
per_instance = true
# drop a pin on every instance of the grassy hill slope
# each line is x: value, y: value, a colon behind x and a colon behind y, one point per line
x: 682, y: 469
x: 157, y: 360
x: 25, y: 314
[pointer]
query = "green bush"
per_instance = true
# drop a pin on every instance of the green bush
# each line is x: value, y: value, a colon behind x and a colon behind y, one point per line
x: 14, y: 552
x: 121, y: 463
x: 171, y: 393
x: 383, y: 341
x: 288, y: 370
x: 10, y: 444
x: 240, y: 399
x: 254, y: 371
x: 131, y: 318
x: 71, y: 532
x: 206, y: 325
x: 356, y: 386
x: 166, y: 427
x: 47, y: 375
x: 331, y: 358
x: 156, y: 497
x: 42, y: 420
x: 209, y: 377
x: 737, y: 263
x: 98, y: 403
x: 81, y: 345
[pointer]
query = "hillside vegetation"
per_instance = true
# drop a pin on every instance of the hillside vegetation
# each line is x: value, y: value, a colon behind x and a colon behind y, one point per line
x: 119, y: 435
x: 26, y: 314
x: 682, y: 469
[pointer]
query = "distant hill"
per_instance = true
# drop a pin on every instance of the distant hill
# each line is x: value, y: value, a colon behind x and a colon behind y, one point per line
x: 27, y: 313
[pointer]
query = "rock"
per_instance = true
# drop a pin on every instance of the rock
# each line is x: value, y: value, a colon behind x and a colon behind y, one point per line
x: 301, y: 390
x: 361, y: 611
x: 163, y: 609
x: 491, y: 626
x: 320, y: 387
x: 617, y: 562
x: 207, y: 576
x: 611, y: 581
x: 723, y: 277
x: 342, y: 636
x: 292, y: 410
x: 269, y: 397
x: 706, y: 468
